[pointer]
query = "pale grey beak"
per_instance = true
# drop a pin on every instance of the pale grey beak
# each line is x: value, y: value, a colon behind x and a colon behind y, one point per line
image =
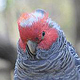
x: 32, y: 46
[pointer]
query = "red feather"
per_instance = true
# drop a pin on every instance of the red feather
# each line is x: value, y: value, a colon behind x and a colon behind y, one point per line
x: 35, y: 31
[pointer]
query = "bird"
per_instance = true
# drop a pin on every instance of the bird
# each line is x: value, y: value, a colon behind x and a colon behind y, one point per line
x: 43, y: 50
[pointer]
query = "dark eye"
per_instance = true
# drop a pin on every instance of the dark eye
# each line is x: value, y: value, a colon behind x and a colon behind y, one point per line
x: 43, y: 33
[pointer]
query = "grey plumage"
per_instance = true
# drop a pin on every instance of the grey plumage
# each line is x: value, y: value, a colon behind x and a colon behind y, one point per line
x: 60, y: 62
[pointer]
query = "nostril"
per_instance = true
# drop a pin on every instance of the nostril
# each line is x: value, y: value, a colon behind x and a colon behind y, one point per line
x: 37, y: 38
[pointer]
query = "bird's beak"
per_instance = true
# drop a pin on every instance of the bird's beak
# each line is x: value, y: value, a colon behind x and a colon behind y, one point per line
x: 32, y: 46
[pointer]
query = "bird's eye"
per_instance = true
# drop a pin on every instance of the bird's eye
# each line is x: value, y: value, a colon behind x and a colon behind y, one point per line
x: 43, y: 34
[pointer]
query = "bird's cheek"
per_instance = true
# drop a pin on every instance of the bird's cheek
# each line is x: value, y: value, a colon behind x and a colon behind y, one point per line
x: 22, y: 45
x: 44, y: 45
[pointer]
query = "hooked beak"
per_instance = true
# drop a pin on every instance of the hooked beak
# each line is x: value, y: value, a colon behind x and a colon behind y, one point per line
x: 32, y: 46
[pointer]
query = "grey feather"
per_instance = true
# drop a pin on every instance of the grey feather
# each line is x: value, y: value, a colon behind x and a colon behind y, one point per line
x: 60, y: 62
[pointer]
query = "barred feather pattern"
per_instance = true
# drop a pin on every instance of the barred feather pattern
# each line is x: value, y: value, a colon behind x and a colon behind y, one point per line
x: 60, y: 62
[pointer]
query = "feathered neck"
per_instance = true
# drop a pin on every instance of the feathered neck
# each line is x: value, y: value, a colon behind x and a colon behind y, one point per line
x: 49, y: 64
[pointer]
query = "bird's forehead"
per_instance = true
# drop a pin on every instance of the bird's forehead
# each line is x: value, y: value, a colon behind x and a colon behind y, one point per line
x: 31, y: 18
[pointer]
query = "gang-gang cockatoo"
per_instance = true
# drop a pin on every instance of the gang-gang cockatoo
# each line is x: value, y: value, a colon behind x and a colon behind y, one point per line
x: 43, y: 51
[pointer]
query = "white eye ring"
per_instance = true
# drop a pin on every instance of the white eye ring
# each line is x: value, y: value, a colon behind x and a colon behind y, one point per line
x: 43, y: 34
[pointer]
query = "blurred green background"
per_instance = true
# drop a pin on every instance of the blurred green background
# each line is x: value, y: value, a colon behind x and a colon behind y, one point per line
x: 65, y: 12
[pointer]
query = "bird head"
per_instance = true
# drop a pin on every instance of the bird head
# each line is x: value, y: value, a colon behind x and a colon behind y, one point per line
x: 36, y: 31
